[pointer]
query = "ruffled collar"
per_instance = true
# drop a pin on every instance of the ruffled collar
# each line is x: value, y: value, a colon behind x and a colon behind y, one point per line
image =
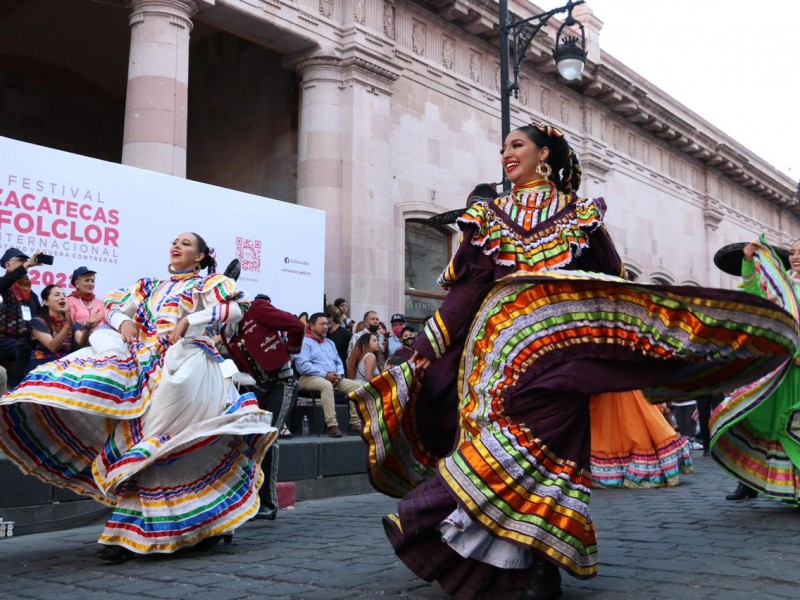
x: 534, y: 194
x: 537, y: 185
x: 184, y: 275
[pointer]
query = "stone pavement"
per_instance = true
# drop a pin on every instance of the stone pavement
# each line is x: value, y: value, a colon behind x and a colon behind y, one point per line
x: 682, y: 543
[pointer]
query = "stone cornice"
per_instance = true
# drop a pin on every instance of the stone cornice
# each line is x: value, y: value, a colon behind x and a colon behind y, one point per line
x: 651, y: 110
x: 636, y: 101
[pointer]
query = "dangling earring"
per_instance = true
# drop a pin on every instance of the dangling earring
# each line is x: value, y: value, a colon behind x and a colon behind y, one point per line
x: 170, y: 269
x: 544, y: 170
x: 196, y: 268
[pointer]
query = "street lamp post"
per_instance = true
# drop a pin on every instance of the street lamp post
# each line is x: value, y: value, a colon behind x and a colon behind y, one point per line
x: 569, y: 53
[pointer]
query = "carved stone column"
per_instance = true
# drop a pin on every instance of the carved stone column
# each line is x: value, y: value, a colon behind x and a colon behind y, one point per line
x: 321, y: 161
x: 158, y: 76
x: 344, y: 169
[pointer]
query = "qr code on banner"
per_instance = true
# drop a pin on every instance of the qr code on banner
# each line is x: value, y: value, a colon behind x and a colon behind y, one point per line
x: 249, y: 254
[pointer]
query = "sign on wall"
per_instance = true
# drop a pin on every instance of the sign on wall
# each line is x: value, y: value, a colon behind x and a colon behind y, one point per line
x: 120, y: 221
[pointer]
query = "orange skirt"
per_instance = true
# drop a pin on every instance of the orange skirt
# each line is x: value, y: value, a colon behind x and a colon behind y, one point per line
x: 633, y: 445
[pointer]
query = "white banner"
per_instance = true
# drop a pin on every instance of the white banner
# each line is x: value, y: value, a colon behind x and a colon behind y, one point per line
x: 120, y: 221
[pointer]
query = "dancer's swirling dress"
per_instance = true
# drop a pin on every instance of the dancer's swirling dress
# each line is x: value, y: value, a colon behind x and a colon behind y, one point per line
x: 490, y: 449
x: 145, y: 427
x: 755, y: 432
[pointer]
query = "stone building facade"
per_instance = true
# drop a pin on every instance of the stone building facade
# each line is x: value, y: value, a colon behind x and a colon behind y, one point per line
x: 381, y: 113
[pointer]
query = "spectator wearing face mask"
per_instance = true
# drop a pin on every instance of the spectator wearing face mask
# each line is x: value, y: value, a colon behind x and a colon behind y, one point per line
x: 371, y: 324
x: 397, y: 323
x: 407, y: 338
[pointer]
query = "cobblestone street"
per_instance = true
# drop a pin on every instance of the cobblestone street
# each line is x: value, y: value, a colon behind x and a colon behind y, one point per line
x: 682, y: 543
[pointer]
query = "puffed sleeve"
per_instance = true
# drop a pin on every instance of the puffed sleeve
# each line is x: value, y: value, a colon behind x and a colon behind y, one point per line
x: 467, y: 278
x: 750, y: 279
x: 121, y: 305
x: 217, y: 300
x: 766, y: 276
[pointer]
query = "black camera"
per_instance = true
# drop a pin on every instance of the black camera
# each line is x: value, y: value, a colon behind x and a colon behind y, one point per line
x: 44, y: 259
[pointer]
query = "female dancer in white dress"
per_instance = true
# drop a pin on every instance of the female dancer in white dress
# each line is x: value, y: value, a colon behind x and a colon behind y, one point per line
x: 139, y: 419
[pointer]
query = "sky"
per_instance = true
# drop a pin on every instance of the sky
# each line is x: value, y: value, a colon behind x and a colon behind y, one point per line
x: 737, y: 69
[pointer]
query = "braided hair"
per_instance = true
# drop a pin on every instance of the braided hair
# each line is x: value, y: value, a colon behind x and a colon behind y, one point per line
x: 208, y: 261
x: 566, y: 168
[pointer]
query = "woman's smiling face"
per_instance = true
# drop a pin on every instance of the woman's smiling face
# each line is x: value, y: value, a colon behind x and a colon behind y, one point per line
x: 520, y: 156
x: 183, y: 253
x: 794, y: 257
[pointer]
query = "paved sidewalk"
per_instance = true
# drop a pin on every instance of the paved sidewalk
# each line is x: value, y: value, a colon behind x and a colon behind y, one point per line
x: 682, y: 543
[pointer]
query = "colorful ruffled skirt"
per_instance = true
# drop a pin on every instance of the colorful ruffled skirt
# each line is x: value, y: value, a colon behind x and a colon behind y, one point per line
x: 158, y: 442
x: 515, y: 486
x: 756, y: 437
x: 633, y: 446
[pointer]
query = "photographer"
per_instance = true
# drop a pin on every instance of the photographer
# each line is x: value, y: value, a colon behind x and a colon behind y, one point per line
x: 19, y: 306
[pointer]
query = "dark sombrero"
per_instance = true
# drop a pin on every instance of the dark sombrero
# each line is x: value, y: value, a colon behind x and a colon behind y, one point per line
x: 234, y: 269
x: 445, y: 218
x: 729, y: 258
x: 485, y: 192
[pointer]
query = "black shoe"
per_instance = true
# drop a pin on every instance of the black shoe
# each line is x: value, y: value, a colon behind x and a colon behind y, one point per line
x: 545, y: 582
x: 706, y: 452
x: 742, y: 492
x: 113, y: 555
x: 213, y: 540
x: 266, y: 513
x: 354, y: 429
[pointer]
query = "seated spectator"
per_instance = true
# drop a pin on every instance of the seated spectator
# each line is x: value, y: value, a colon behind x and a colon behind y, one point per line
x: 19, y: 306
x: 84, y: 307
x: 321, y: 370
x: 337, y: 333
x: 260, y: 345
x: 397, y: 323
x: 344, y: 308
x: 54, y: 333
x: 364, y: 361
x: 404, y: 353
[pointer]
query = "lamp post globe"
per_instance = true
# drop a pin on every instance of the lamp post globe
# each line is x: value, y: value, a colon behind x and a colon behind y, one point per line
x: 570, y: 59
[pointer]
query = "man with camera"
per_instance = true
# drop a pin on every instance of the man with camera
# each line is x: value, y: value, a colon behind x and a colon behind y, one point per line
x: 20, y: 305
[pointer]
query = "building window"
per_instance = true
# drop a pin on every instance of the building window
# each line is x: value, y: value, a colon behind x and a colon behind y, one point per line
x: 427, y: 255
x: 660, y: 280
x: 632, y: 273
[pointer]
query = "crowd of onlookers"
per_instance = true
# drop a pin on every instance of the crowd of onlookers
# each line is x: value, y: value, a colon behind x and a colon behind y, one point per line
x: 35, y: 329
x: 340, y: 355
